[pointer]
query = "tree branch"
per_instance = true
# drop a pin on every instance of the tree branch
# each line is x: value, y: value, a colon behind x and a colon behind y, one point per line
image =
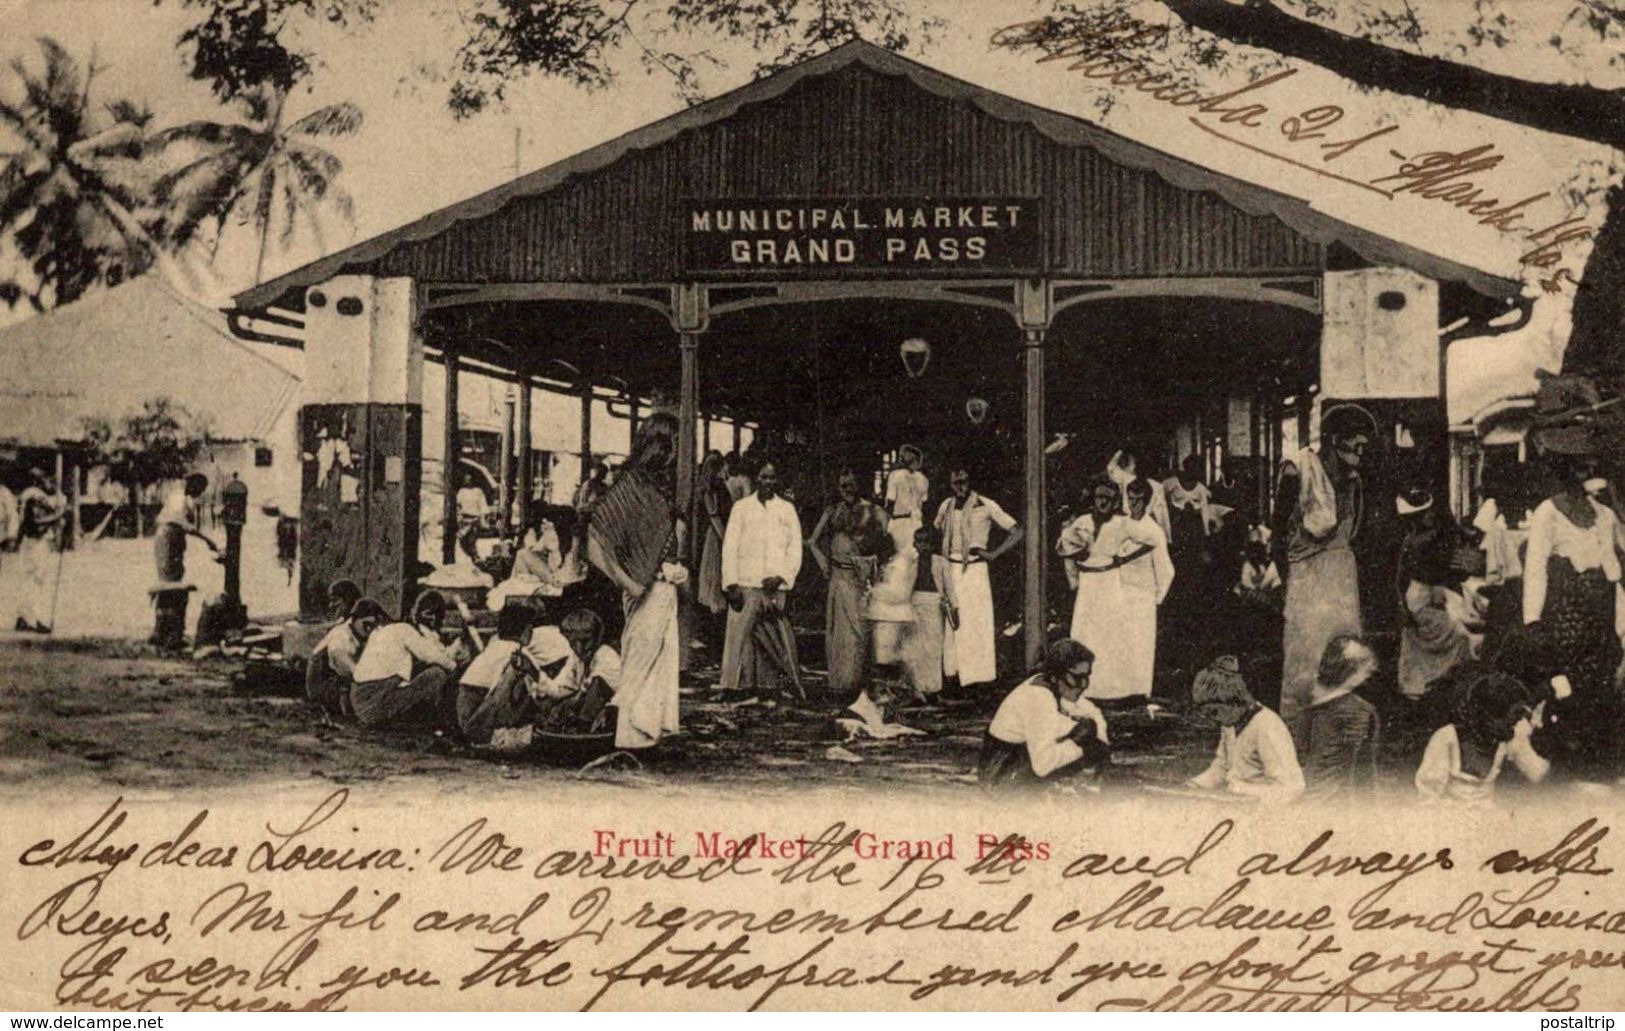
x: 1584, y: 112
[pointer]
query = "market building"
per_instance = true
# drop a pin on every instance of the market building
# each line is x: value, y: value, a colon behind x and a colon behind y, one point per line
x: 762, y: 258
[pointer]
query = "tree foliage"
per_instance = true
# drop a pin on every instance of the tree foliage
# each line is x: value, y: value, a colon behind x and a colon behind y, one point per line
x: 158, y: 443
x: 68, y: 189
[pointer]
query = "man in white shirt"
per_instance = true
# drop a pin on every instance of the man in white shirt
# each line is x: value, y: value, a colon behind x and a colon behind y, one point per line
x: 331, y: 671
x: 404, y: 674
x: 965, y: 520
x: 761, y: 555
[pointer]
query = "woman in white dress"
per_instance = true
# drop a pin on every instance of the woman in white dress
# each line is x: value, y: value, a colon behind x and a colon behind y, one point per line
x: 1120, y: 584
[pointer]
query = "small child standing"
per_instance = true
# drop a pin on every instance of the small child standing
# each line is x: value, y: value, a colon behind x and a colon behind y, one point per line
x: 1337, y: 733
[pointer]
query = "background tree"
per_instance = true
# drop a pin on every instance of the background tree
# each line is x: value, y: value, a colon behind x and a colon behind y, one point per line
x: 69, y: 182
x: 261, y: 172
x: 157, y: 444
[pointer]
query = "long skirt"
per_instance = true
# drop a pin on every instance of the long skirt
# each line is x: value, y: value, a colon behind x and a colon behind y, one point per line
x: 708, y: 584
x: 1579, y: 621
x: 846, y: 633
x: 1119, y: 624
x: 759, y: 649
x: 646, y: 701
x: 38, y: 561
x: 969, y: 651
x: 920, y: 643
x: 1322, y: 601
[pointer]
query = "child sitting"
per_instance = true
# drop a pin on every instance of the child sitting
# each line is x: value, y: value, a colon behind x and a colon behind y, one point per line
x: 1337, y: 733
x: 487, y: 695
x: 331, y: 670
x: 1255, y: 756
x: 1496, y: 715
x: 1260, y: 582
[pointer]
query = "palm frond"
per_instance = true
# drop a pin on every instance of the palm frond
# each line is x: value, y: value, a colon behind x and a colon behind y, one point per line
x: 342, y: 119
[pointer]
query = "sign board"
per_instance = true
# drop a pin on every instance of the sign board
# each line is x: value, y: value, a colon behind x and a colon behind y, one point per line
x: 812, y: 237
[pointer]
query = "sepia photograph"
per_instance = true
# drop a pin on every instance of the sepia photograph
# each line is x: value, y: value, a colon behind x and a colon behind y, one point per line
x: 519, y: 505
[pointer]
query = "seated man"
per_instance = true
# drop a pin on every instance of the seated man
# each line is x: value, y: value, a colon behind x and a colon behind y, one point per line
x: 562, y: 679
x: 1255, y: 757
x: 404, y: 674
x: 496, y: 674
x: 1045, y: 729
x: 331, y: 671
x: 341, y: 598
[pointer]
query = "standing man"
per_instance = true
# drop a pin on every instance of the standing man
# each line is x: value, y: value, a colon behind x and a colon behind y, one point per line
x: 177, y: 520
x: 40, y: 509
x: 856, y: 529
x: 1322, y: 582
x: 761, y: 555
x: 964, y: 520
x: 10, y: 520
x: 471, y: 512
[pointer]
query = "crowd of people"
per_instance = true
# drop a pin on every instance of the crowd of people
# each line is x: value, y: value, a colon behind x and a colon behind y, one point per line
x: 1508, y: 653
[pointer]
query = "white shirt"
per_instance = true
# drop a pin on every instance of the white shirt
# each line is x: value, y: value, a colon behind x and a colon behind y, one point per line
x: 761, y: 541
x: 487, y: 667
x: 1261, y: 761
x: 391, y: 649
x: 906, y: 490
x: 1551, y: 533
x: 1031, y: 716
x: 342, y: 649
x: 471, y: 503
x: 177, y: 509
x: 966, y: 526
x: 548, y: 646
x: 1255, y: 579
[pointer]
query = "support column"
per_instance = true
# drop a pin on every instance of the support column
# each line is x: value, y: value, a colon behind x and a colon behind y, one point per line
x: 505, y: 465
x: 739, y: 435
x: 687, y: 412
x: 586, y: 428
x: 360, y: 443
x: 691, y: 319
x: 1034, y: 296
x: 451, y: 451
x: 1034, y: 553
x: 527, y: 463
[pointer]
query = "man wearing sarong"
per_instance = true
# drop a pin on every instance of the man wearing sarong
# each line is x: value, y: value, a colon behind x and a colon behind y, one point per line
x: 935, y: 611
x: 177, y: 520
x: 1322, y: 582
x: 40, y: 509
x: 856, y: 532
x: 761, y: 555
x: 634, y: 539
x: 1120, y: 586
x: 964, y: 521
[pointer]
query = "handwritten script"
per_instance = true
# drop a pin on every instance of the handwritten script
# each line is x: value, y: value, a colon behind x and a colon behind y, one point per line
x: 333, y: 905
x: 1123, y: 53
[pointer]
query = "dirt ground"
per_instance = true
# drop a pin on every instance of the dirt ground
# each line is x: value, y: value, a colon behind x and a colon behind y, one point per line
x: 114, y: 714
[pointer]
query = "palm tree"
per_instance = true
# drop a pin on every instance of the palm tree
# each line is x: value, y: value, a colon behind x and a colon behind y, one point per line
x: 266, y: 174
x: 71, y: 184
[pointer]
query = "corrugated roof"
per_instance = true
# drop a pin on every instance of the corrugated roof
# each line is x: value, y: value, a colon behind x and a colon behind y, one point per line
x: 1063, y: 128
x: 104, y: 355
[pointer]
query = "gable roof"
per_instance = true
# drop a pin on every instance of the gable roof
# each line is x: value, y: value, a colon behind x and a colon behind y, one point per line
x: 1065, y: 129
x: 106, y: 354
